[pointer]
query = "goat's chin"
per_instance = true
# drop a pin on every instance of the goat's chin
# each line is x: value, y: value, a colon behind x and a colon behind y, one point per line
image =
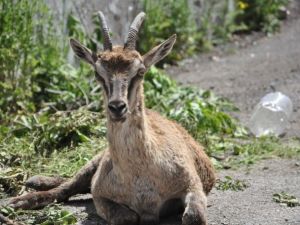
x: 117, y: 119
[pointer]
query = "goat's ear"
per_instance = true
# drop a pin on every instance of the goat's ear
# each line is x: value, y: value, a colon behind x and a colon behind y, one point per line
x: 83, y: 52
x: 159, y: 52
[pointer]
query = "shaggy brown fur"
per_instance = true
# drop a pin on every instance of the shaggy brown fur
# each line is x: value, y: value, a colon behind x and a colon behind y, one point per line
x: 152, y: 167
x: 118, y: 60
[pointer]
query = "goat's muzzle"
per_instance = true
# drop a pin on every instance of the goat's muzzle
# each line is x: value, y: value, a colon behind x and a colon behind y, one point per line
x: 118, y: 110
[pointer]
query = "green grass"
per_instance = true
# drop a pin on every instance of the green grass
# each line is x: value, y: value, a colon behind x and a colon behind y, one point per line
x: 235, y: 152
x: 23, y: 164
x: 53, y: 214
x: 286, y: 199
x: 230, y: 184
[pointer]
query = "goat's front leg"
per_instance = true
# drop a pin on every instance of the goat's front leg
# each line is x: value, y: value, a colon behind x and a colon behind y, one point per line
x: 77, y: 185
x: 114, y: 213
x: 195, y: 207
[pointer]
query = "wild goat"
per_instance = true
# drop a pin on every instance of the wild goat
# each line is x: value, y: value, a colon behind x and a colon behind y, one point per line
x: 152, y: 167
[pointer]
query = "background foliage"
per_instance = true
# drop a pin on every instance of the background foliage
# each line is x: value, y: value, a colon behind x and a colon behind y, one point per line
x: 218, y: 21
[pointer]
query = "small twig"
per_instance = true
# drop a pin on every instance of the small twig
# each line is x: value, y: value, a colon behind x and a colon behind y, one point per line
x: 220, y: 158
x: 7, y: 221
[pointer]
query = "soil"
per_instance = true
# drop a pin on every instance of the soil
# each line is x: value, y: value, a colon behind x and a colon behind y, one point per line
x: 254, y: 205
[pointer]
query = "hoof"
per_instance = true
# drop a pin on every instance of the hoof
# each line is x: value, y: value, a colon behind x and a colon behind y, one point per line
x: 194, y: 215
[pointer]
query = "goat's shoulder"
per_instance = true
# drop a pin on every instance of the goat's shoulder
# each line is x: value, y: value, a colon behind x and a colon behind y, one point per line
x: 166, y: 128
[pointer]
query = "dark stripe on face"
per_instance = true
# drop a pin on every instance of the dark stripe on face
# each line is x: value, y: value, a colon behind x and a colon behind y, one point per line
x: 102, y: 81
x: 111, y: 88
x: 132, y: 84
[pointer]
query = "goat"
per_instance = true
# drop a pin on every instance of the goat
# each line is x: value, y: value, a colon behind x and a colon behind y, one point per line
x: 152, y: 167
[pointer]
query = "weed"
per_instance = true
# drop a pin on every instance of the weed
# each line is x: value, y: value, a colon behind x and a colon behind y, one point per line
x: 233, y: 152
x: 51, y: 214
x: 59, y: 130
x: 21, y: 43
x: 217, y: 23
x: 260, y: 14
x: 286, y: 199
x: 230, y: 184
x: 200, y: 112
x: 160, y: 24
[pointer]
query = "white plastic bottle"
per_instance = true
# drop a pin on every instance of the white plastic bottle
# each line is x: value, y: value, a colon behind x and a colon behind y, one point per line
x: 271, y: 115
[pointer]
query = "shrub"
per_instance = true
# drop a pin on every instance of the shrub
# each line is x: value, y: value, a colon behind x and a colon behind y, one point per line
x: 219, y: 20
x: 59, y: 130
x: 260, y: 14
x: 198, y: 111
x: 23, y: 42
x: 34, y: 71
x: 165, y: 18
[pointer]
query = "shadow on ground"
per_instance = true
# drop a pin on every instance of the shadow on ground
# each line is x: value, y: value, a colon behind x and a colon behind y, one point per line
x: 82, y: 206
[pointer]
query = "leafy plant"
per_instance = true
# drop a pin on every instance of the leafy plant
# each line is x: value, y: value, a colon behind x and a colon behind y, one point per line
x: 34, y: 70
x: 230, y: 184
x: 286, y: 199
x: 198, y: 111
x: 228, y: 152
x: 260, y: 14
x: 50, y: 215
x: 161, y: 24
x: 23, y: 40
x: 59, y: 130
x: 218, y: 23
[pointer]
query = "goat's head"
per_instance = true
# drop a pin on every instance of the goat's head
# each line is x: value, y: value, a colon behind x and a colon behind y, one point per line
x: 120, y: 69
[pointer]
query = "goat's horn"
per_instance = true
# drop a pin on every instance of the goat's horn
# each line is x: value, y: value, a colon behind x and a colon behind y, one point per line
x: 107, y: 44
x: 133, y: 31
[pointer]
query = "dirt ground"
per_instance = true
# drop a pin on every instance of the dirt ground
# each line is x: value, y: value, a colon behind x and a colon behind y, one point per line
x: 254, y: 206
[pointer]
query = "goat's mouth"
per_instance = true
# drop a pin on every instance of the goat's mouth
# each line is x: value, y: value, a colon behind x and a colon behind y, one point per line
x: 118, y: 118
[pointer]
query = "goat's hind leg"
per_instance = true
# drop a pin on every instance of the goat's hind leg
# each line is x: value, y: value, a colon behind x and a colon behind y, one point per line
x: 44, y: 183
x: 77, y: 185
x: 195, y: 207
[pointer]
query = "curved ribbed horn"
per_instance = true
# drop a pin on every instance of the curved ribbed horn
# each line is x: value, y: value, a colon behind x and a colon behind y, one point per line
x: 107, y: 44
x: 133, y: 31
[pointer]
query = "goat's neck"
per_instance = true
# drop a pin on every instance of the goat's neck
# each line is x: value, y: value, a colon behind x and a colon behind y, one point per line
x: 128, y: 140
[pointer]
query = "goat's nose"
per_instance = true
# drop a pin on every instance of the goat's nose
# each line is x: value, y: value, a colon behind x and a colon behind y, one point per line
x: 117, y: 107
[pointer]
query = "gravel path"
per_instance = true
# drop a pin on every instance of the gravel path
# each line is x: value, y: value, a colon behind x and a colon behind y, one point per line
x: 254, y: 205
